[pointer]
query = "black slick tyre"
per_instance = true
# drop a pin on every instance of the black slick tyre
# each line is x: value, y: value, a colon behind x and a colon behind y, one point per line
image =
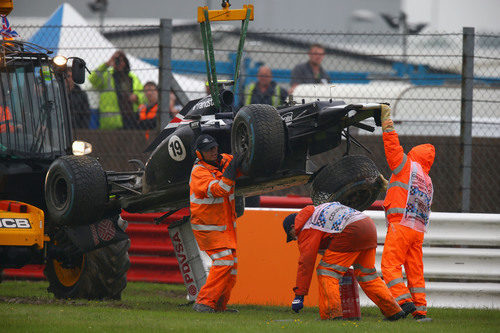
x: 101, y: 274
x: 353, y: 181
x: 75, y: 190
x: 258, y: 132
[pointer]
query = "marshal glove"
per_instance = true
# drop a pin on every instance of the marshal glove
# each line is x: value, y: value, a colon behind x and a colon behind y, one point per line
x: 385, y: 117
x: 298, y: 303
x: 230, y: 172
x: 385, y: 112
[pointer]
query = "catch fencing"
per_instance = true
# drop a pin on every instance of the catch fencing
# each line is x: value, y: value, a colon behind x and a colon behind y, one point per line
x: 434, y: 81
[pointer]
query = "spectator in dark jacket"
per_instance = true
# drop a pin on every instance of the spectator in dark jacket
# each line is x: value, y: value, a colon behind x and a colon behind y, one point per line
x: 79, y: 103
x: 311, y: 71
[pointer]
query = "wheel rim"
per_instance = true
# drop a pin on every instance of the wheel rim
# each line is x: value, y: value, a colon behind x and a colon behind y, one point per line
x: 241, y: 143
x: 357, y: 200
x: 358, y: 196
x: 60, y: 192
x: 68, y: 276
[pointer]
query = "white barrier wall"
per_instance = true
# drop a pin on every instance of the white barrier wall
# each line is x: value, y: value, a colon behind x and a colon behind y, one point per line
x: 461, y: 259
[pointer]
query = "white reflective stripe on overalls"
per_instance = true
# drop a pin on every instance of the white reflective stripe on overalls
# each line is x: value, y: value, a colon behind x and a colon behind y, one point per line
x: 402, y: 297
x: 234, y: 270
x: 417, y: 290
x: 394, y: 282
x: 209, y: 192
x: 223, y: 263
x: 326, y: 272
x: 398, y: 184
x: 224, y: 186
x: 400, y: 166
x: 366, y: 278
x: 371, y: 273
x: 206, y: 227
x: 365, y: 270
x: 221, y: 254
x: 335, y: 267
x: 395, y: 211
x: 205, y: 201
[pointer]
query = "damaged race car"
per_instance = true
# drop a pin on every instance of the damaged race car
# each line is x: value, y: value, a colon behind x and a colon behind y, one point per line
x: 276, y: 143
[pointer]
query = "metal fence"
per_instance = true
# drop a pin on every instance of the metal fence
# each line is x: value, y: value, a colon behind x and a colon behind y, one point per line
x: 420, y: 75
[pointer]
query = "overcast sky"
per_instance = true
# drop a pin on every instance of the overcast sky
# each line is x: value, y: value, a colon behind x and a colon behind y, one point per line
x: 440, y: 15
x: 452, y: 15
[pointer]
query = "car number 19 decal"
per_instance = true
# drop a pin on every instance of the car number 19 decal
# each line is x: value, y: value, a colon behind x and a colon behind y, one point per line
x: 176, y: 148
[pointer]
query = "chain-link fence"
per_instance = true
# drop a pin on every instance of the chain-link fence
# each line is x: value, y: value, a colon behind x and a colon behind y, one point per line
x: 419, y: 75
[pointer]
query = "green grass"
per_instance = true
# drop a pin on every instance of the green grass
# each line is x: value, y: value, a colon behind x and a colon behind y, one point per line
x: 28, y: 307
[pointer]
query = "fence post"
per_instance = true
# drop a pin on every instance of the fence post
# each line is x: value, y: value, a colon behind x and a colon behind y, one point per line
x: 165, y: 70
x: 466, y: 115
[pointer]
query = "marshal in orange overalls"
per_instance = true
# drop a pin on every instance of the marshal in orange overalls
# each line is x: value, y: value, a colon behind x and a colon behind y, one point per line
x: 407, y: 208
x: 349, y: 238
x: 213, y: 220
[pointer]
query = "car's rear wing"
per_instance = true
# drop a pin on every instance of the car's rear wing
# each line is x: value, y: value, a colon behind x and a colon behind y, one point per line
x: 363, y: 111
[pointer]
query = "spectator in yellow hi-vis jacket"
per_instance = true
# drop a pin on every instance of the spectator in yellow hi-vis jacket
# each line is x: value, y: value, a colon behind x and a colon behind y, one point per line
x: 120, y: 93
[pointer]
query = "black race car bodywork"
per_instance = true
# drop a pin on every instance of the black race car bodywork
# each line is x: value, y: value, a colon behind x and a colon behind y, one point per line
x: 276, y: 144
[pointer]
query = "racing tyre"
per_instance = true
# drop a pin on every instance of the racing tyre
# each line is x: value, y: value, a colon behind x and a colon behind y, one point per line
x: 102, y: 274
x: 353, y: 181
x: 75, y: 190
x: 258, y: 133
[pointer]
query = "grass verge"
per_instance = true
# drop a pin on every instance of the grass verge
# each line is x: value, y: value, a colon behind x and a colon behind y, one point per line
x: 27, y: 306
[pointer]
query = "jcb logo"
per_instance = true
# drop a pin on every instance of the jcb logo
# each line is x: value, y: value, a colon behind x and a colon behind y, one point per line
x: 15, y: 223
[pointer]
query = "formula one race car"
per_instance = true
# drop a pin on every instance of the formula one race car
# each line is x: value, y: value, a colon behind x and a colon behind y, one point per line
x: 276, y: 145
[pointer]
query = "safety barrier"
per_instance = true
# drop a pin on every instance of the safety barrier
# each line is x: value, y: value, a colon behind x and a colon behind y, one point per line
x: 461, y: 257
x: 461, y: 260
x: 152, y: 257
